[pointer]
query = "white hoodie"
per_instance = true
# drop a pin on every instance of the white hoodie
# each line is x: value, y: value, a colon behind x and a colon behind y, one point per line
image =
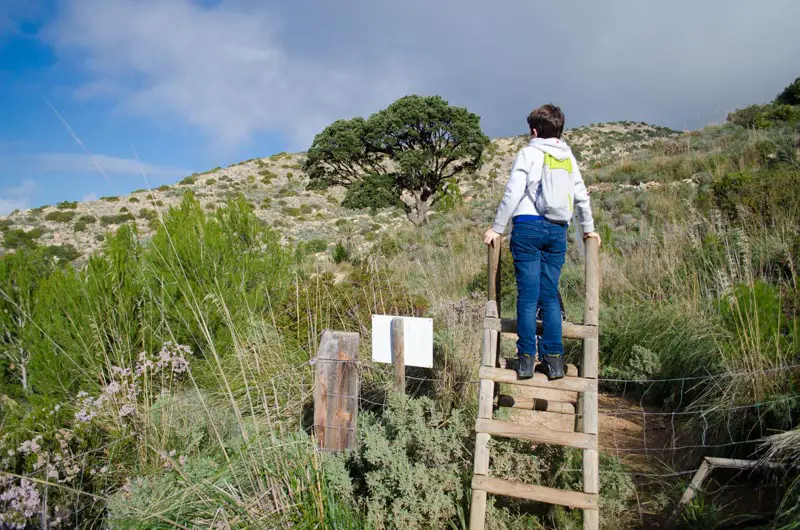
x: 523, y: 184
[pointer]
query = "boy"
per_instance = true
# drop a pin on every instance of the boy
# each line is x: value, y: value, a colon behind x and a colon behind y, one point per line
x: 544, y: 184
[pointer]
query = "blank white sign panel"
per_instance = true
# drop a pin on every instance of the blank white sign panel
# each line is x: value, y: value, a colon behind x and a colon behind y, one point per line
x: 417, y: 340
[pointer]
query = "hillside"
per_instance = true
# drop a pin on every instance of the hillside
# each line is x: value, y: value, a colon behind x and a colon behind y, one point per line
x: 169, y: 382
x: 276, y: 188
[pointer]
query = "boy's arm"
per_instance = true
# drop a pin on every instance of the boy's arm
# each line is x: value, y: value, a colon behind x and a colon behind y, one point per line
x: 582, y: 201
x: 515, y: 190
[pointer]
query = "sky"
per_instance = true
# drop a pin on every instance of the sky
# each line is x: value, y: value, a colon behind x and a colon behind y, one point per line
x: 102, y: 97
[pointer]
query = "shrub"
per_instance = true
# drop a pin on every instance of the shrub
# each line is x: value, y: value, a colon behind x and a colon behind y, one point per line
x: 313, y: 246
x: 411, y: 448
x: 110, y: 199
x: 188, y: 181
x: 18, y: 238
x: 147, y: 213
x: 374, y: 192
x: 61, y: 252
x: 211, y: 182
x: 88, y: 219
x: 79, y: 226
x: 163, y: 188
x: 67, y: 205
x: 133, y: 199
x: 59, y: 216
x: 340, y: 253
x: 107, y: 220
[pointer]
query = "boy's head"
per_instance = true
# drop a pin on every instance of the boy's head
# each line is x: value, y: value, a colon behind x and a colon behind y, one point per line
x: 546, y: 122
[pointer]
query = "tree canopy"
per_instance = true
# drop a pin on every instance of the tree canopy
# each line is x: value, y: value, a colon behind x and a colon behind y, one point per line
x: 790, y: 94
x: 410, y: 148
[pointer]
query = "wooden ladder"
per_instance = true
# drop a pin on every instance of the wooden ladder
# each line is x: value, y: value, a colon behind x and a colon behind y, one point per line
x: 584, y: 382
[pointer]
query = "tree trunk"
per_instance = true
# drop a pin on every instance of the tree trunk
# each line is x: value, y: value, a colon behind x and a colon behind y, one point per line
x: 418, y: 212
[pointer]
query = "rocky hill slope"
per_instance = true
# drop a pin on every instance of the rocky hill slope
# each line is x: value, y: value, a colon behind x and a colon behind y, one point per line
x: 276, y: 187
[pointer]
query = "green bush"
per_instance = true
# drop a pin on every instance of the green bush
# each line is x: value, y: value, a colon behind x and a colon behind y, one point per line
x: 211, y: 182
x: 107, y: 220
x: 373, y: 192
x: 110, y: 199
x: 18, y: 238
x: 67, y: 205
x: 408, y: 467
x: 188, y: 181
x: 79, y: 226
x: 61, y: 252
x: 60, y: 216
x: 88, y: 219
x: 133, y: 199
x: 340, y: 253
x: 314, y: 246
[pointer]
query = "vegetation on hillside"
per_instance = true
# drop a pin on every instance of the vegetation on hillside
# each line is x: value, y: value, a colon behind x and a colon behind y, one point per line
x: 166, y: 383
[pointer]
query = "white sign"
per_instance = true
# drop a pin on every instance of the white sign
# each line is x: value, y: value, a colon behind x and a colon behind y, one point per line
x: 417, y: 340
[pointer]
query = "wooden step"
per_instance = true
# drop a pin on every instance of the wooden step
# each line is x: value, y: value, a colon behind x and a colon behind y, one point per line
x: 511, y: 363
x: 539, y: 435
x: 572, y: 499
x: 568, y: 329
x: 537, y: 404
x: 570, y: 384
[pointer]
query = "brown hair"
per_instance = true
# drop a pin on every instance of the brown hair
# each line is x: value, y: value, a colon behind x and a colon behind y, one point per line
x: 548, y: 120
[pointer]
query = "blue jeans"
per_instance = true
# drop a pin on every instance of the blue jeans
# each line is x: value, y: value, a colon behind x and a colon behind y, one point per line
x: 539, y: 248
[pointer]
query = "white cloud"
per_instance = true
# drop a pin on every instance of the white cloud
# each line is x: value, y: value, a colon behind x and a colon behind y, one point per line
x: 221, y: 69
x: 17, y: 198
x: 111, y: 165
x: 238, y: 68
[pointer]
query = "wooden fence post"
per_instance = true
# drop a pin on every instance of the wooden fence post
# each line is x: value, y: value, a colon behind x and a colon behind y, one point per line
x: 495, y: 290
x: 336, y: 391
x: 588, y: 370
x: 398, y: 355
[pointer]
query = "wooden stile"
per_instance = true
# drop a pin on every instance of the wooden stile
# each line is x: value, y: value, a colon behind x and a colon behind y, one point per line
x: 336, y: 391
x: 583, y: 381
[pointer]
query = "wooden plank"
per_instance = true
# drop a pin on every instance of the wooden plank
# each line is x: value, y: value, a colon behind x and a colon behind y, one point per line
x: 485, y: 398
x: 477, y: 510
x: 591, y: 308
x: 490, y: 337
x: 493, y: 272
x: 510, y: 364
x: 336, y: 391
x: 570, y: 384
x: 572, y: 499
x: 569, y: 330
x: 694, y: 485
x: 481, y: 466
x: 398, y: 355
x: 504, y: 429
x: 537, y: 404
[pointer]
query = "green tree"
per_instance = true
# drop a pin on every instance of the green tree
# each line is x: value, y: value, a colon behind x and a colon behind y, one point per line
x: 790, y: 94
x: 418, y: 142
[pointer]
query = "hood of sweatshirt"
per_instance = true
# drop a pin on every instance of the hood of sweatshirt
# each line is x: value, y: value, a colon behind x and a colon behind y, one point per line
x: 556, y: 148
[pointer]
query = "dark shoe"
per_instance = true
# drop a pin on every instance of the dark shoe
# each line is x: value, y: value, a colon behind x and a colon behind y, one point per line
x: 525, y: 366
x: 552, y: 366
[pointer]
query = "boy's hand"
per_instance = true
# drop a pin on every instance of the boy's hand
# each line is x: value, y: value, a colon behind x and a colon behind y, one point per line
x: 593, y: 235
x: 490, y: 237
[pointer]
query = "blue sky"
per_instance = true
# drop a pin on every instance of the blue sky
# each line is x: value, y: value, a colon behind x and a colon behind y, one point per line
x: 101, y: 97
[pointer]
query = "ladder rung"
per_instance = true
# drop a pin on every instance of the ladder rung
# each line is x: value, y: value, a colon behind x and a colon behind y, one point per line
x: 570, y: 384
x: 509, y: 363
x: 573, y: 499
x: 540, y: 435
x: 568, y: 329
x: 534, y: 403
